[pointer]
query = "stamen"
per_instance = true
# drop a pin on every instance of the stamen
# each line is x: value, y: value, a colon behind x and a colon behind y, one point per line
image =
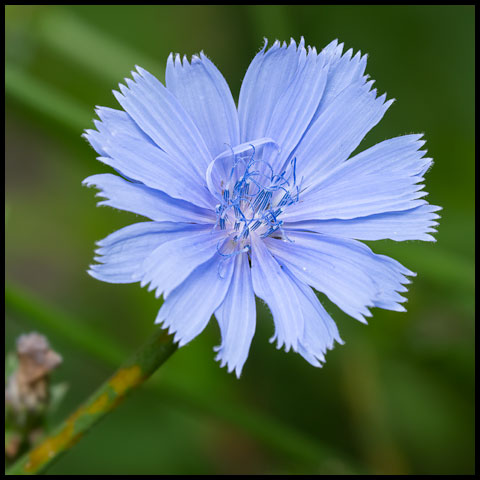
x: 255, y: 225
x: 255, y: 209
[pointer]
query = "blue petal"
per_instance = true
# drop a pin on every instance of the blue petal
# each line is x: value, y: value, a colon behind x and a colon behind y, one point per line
x: 415, y: 224
x: 347, y: 271
x: 206, y: 97
x: 126, y: 148
x: 300, y: 320
x: 142, y: 200
x: 340, y: 72
x: 280, y: 93
x: 187, y: 310
x: 338, y: 130
x: 343, y: 71
x: 113, y: 122
x: 122, y: 252
x: 161, y: 116
x: 320, y: 330
x: 384, y: 178
x: 172, y: 262
x: 236, y: 318
x: 272, y: 285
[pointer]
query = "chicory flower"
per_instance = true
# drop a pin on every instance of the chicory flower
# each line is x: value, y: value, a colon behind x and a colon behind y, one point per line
x: 260, y: 199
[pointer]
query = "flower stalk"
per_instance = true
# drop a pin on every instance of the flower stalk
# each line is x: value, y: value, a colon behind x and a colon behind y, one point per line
x: 133, y: 373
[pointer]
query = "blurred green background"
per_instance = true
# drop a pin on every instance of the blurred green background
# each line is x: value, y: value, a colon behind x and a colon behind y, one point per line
x: 397, y: 398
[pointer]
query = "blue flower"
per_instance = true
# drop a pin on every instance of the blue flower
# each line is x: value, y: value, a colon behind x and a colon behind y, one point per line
x: 261, y: 199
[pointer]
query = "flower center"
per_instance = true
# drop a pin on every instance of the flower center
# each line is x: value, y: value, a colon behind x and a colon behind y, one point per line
x: 252, y: 197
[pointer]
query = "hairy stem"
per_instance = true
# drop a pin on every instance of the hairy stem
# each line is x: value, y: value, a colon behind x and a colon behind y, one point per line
x: 130, y: 376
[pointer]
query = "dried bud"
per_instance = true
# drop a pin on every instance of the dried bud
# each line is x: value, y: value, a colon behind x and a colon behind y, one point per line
x: 27, y: 393
x: 27, y: 388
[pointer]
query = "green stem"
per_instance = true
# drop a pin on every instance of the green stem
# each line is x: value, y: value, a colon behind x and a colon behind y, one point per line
x: 130, y: 376
x: 267, y: 430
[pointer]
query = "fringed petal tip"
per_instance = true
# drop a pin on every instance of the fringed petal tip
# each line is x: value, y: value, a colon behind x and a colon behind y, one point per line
x: 175, y: 60
x: 286, y: 346
x: 229, y: 365
x: 317, y: 358
x: 92, y: 182
x: 277, y: 44
x: 118, y: 96
x: 92, y: 271
x: 169, y: 328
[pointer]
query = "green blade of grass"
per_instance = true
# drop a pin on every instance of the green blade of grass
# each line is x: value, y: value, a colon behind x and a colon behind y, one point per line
x: 76, y: 332
x: 78, y: 41
x: 44, y: 99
